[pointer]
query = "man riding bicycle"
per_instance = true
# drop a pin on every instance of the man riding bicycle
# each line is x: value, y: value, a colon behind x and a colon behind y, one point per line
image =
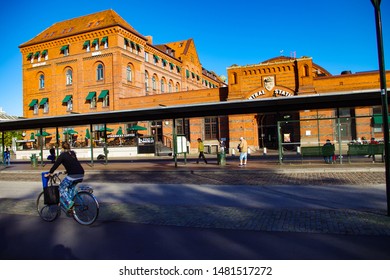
x: 75, y: 173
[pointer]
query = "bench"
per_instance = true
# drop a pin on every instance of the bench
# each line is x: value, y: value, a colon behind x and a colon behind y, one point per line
x: 317, y: 151
x: 365, y: 149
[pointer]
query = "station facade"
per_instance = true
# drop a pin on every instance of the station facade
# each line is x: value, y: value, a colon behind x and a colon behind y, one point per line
x: 100, y: 63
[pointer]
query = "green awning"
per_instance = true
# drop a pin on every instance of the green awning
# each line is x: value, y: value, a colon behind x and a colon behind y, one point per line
x: 107, y: 129
x: 37, y: 54
x: 104, y: 40
x: 86, y: 44
x: 139, y: 47
x: 127, y: 41
x: 95, y: 42
x: 103, y: 94
x: 187, y: 73
x: 378, y: 119
x: 67, y: 98
x: 69, y: 132
x: 43, y: 101
x: 44, y: 53
x: 87, y: 134
x: 33, y: 102
x: 156, y: 57
x: 120, y: 131
x: 63, y: 48
x: 29, y: 56
x: 132, y: 44
x: 136, y: 127
x: 90, y: 95
x: 44, y: 134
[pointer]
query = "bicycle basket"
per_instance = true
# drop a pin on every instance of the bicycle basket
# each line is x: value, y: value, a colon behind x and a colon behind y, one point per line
x: 45, y: 180
x: 51, y: 195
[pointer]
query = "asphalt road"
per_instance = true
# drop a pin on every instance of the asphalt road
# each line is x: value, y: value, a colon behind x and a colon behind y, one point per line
x: 26, y: 237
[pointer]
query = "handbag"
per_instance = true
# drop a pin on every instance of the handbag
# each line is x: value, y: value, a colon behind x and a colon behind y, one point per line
x: 51, y: 195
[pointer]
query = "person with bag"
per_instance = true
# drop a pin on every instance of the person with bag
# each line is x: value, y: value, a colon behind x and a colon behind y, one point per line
x: 243, y: 148
x: 74, y: 170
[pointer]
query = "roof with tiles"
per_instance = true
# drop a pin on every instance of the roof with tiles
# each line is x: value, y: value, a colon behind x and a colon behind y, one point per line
x: 88, y: 23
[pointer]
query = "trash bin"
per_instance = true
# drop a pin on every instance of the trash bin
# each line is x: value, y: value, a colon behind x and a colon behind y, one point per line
x: 34, y: 160
x: 221, y: 158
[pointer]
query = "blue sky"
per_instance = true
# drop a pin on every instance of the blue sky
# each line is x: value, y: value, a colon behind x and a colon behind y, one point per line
x: 338, y: 35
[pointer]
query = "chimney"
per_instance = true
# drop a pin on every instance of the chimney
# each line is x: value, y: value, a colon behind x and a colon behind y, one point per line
x: 150, y: 39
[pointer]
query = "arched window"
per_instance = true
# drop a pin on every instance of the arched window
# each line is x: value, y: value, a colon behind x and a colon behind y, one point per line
x: 154, y: 83
x: 162, y: 85
x: 69, y: 75
x: 177, y: 87
x: 129, y: 74
x: 100, y: 72
x: 41, y: 81
x: 170, y: 86
x: 146, y: 81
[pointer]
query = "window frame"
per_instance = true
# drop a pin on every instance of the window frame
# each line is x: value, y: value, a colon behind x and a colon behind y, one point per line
x: 100, y: 72
x: 211, y: 128
x: 41, y: 81
x: 69, y: 77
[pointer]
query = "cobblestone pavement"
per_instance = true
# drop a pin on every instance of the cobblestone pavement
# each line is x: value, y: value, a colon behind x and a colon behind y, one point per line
x: 368, y: 221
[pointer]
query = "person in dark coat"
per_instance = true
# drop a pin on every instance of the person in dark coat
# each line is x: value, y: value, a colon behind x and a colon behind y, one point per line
x: 74, y: 170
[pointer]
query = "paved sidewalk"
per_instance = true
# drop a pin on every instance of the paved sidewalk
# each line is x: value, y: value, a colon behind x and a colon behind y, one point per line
x: 364, y: 181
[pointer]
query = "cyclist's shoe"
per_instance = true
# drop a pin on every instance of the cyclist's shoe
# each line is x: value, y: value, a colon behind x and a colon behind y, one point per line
x: 69, y: 213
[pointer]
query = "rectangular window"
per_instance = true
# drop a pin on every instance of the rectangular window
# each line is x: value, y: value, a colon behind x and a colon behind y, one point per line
x: 87, y: 46
x: 377, y: 125
x: 93, y: 102
x: 183, y: 127
x: 69, y: 105
x: 95, y: 43
x: 146, y: 57
x: 46, y: 107
x: 106, y: 101
x: 36, y: 107
x: 45, y: 104
x: 211, y: 128
x: 104, y: 42
x: 65, y: 50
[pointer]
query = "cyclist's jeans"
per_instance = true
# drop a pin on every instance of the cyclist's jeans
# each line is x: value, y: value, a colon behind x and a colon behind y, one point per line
x: 67, y: 192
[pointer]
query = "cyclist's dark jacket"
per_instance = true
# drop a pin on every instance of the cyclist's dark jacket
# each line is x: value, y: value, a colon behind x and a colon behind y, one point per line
x: 70, y: 162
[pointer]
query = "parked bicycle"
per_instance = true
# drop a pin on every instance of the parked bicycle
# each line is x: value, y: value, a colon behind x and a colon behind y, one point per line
x: 85, y: 209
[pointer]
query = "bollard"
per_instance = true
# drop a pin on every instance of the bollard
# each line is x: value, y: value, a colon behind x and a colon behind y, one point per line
x: 264, y: 151
x: 34, y: 160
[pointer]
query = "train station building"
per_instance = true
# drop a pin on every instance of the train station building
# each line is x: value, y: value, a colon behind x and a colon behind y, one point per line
x: 100, y: 63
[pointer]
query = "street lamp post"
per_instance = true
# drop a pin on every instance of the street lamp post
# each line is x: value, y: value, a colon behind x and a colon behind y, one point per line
x: 385, y: 110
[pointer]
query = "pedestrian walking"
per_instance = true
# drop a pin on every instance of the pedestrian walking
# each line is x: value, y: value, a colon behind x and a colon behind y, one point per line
x: 243, y: 148
x: 201, y: 151
x: 7, y: 157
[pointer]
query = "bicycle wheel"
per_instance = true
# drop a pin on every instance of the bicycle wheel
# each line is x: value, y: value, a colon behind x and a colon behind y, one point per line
x: 85, y: 208
x: 47, y: 213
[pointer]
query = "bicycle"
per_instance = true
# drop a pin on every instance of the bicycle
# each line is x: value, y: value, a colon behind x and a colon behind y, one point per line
x: 85, y: 209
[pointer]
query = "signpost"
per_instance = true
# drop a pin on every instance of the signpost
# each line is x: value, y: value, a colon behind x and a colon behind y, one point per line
x: 385, y: 109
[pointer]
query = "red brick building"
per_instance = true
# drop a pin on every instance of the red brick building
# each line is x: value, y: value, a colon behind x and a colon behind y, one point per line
x: 100, y: 63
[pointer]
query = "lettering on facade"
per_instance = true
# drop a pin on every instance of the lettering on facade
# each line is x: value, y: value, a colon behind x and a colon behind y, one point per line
x: 282, y: 92
x: 96, y: 53
x: 257, y: 94
x: 39, y: 64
